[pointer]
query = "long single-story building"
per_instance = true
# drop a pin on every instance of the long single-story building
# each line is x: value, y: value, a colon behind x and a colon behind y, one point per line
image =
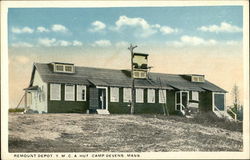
x: 65, y: 88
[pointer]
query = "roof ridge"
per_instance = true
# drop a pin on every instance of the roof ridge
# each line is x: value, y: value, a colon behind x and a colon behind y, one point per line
x: 119, y: 69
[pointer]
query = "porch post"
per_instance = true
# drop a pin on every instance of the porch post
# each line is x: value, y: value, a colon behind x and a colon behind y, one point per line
x: 25, y: 99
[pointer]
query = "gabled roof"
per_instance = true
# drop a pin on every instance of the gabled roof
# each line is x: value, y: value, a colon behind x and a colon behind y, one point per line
x: 120, y: 78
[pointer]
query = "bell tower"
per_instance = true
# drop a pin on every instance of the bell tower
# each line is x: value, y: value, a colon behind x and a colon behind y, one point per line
x: 139, y: 70
x: 140, y: 65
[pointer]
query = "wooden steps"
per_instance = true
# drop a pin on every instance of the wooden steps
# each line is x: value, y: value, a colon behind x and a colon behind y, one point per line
x: 102, y: 111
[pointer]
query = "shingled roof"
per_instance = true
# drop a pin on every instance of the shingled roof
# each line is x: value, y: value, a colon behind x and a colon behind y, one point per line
x: 120, y: 78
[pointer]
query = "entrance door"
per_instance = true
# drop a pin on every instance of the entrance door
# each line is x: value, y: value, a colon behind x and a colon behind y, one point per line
x: 184, y: 99
x: 181, y: 99
x: 102, y: 98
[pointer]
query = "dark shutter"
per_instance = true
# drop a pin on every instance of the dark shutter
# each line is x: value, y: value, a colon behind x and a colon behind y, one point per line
x: 93, y: 98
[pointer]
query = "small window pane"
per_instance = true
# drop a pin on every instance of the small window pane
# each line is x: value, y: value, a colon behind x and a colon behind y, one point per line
x: 201, y: 79
x: 59, y: 67
x: 68, y: 68
x: 139, y: 95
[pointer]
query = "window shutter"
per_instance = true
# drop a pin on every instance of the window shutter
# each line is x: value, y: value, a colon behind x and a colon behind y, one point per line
x: 151, y: 96
x: 114, y: 94
x: 139, y: 95
x: 127, y: 94
x: 162, y: 96
x: 195, y: 96
x: 81, y: 93
x: 69, y: 92
x: 55, y: 91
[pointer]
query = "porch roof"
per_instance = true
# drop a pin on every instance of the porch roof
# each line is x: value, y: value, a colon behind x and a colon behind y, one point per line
x: 32, y: 88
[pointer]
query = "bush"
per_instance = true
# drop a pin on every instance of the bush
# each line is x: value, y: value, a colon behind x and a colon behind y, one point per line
x: 210, y: 119
x: 16, y: 109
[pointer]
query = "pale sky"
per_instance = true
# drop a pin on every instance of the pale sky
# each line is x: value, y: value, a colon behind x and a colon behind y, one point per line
x: 179, y: 40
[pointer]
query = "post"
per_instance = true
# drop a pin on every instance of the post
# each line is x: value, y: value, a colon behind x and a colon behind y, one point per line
x: 131, y: 48
x: 25, y: 100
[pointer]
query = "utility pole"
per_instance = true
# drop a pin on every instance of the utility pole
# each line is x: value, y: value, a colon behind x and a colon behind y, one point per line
x: 131, y: 48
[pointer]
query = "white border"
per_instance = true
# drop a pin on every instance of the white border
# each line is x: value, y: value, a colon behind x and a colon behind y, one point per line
x: 152, y: 155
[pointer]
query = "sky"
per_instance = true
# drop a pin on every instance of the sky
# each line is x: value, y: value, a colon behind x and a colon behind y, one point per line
x: 180, y: 40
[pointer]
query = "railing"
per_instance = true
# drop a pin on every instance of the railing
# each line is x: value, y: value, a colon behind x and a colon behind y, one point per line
x: 234, y: 114
x: 219, y: 111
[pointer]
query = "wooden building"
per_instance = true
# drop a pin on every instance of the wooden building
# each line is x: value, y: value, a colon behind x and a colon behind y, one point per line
x: 64, y: 88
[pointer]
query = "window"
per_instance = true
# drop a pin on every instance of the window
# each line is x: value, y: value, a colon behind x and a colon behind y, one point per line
x: 151, y: 96
x: 139, y: 74
x: 81, y: 93
x: 195, y: 96
x: 114, y: 94
x: 136, y: 74
x: 195, y: 79
x: 127, y: 94
x: 59, y: 67
x: 162, y: 96
x: 198, y: 79
x: 143, y: 75
x: 55, y: 91
x: 139, y: 95
x: 69, y: 92
x: 219, y: 101
x: 68, y: 68
x: 63, y: 68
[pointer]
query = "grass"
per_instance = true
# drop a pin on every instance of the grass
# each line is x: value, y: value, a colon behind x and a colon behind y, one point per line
x: 208, y: 119
x: 120, y: 133
x: 16, y: 109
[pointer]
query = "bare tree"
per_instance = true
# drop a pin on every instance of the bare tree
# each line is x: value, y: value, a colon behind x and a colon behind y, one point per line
x: 235, y: 96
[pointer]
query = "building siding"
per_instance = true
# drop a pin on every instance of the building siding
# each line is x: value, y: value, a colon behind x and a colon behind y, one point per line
x: 118, y: 107
x: 140, y: 108
x: 121, y: 107
x: 39, y: 98
x: 63, y: 106
x: 205, y: 103
x: 171, y: 101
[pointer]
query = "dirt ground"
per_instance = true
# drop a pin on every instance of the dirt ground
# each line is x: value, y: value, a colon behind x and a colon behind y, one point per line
x: 115, y: 133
